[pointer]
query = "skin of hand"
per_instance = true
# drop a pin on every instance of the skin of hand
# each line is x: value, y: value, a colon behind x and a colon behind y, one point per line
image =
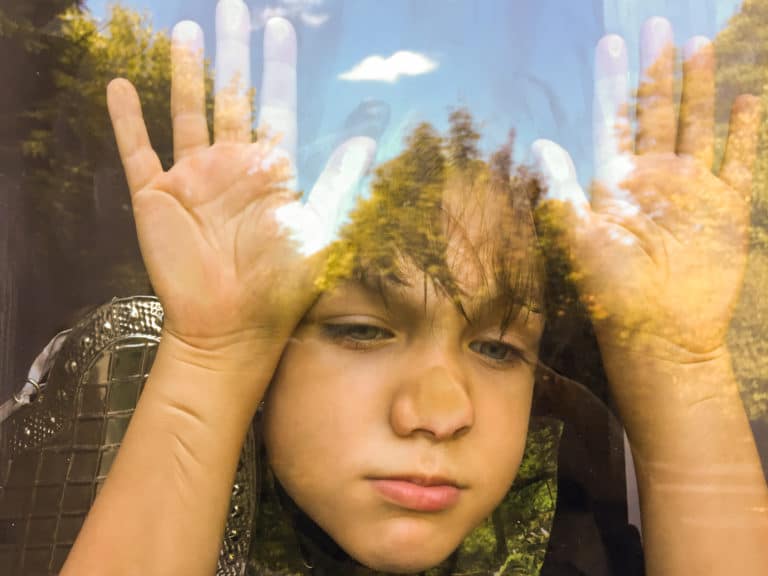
x: 232, y: 253
x: 658, y: 255
x: 660, y: 251
x: 223, y: 236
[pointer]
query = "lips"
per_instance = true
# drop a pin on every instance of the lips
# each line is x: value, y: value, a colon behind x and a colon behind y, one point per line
x: 418, y: 493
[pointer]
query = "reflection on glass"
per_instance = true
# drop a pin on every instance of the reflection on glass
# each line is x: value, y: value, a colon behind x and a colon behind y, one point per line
x: 438, y: 345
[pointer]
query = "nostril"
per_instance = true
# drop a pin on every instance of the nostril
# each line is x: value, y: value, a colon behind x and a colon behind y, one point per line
x: 450, y: 429
x: 463, y: 431
x: 438, y: 422
x: 434, y: 402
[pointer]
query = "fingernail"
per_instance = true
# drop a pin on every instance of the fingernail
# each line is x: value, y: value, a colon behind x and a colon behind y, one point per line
x: 552, y: 162
x: 188, y: 33
x: 696, y: 46
x: 611, y: 55
x: 657, y: 39
x: 280, y: 41
x: 233, y: 20
x: 559, y: 176
x: 657, y: 26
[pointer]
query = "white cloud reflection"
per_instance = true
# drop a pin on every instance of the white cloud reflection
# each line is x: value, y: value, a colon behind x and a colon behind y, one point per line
x: 308, y: 12
x: 380, y: 69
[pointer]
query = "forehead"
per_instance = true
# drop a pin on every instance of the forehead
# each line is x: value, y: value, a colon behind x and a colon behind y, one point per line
x: 488, y: 235
x: 488, y: 269
x: 416, y: 296
x: 473, y: 239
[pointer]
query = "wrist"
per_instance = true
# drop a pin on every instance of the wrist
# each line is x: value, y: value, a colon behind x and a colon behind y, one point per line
x: 177, y: 461
x: 220, y: 381
x: 678, y: 414
x: 226, y: 351
x: 630, y: 347
x: 656, y: 373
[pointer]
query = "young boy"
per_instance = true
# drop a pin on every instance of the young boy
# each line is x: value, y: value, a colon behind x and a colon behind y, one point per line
x: 396, y: 365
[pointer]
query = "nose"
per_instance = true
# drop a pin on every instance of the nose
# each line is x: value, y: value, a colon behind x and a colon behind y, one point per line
x: 434, y: 402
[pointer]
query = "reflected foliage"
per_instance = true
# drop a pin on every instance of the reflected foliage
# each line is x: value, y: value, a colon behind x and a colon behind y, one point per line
x: 402, y: 216
x: 463, y: 139
x: 419, y: 202
x: 75, y: 191
x: 441, y: 212
x: 75, y: 176
x: 742, y: 67
x: 512, y: 541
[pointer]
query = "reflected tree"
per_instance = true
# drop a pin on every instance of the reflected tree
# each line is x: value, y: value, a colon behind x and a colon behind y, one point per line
x: 742, y: 56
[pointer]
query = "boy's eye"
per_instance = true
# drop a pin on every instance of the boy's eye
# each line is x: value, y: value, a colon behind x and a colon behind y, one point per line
x: 357, y: 333
x: 496, y: 350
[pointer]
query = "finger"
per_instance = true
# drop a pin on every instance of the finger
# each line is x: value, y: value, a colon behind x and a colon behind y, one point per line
x: 741, y: 147
x: 277, y: 110
x: 315, y: 224
x: 612, y: 132
x: 140, y: 161
x: 656, y: 130
x: 370, y: 118
x: 558, y: 177
x: 569, y: 228
x: 610, y: 108
x: 339, y: 180
x: 232, y: 105
x: 696, y: 136
x: 563, y: 215
x: 190, y: 127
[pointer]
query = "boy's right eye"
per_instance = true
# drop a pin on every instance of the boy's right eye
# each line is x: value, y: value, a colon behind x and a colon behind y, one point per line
x: 357, y: 335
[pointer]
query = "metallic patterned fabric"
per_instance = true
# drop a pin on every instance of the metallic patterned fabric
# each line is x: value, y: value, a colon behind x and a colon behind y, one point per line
x: 57, y: 450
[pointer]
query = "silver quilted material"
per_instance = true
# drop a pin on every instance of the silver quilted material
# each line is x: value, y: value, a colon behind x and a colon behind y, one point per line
x: 57, y: 451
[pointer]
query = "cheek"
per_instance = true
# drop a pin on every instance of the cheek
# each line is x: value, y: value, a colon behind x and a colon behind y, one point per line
x: 502, y: 427
x: 320, y: 408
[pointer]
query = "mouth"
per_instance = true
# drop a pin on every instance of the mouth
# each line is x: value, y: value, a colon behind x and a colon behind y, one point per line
x: 418, y: 493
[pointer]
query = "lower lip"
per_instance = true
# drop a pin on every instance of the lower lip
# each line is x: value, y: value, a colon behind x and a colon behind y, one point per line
x: 416, y: 497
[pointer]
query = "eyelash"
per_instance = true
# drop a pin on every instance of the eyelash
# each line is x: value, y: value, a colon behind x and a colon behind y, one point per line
x: 511, y: 354
x: 350, y: 334
x: 364, y: 336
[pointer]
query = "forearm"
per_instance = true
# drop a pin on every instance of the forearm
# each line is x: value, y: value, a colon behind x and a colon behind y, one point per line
x: 163, y: 507
x: 703, y: 494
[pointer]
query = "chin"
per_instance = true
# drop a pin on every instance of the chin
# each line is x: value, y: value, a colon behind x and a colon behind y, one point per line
x: 404, y: 564
x: 409, y: 546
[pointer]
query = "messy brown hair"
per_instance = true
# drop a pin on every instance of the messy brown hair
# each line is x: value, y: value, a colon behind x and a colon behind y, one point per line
x: 442, y: 214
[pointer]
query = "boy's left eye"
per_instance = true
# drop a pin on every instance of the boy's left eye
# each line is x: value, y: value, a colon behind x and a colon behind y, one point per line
x: 496, y: 350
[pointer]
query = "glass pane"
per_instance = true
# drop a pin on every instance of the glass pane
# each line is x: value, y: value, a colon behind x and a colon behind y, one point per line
x: 525, y: 277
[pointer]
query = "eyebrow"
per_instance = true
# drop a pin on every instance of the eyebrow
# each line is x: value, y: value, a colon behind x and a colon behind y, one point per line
x: 511, y: 306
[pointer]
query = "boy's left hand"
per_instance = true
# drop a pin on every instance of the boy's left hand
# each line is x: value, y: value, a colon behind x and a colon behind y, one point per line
x: 659, y: 253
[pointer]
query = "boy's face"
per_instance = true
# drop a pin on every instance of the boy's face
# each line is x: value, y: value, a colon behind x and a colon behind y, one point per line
x: 395, y: 424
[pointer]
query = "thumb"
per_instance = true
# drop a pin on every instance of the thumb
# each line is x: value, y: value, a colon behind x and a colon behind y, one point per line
x: 558, y: 177
x: 315, y: 224
x: 563, y: 207
x: 564, y: 220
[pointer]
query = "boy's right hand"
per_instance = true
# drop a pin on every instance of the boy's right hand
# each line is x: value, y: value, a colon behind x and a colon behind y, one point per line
x: 230, y: 273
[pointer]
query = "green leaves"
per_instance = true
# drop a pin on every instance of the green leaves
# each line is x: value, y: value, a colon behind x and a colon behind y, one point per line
x: 72, y: 176
x: 742, y: 67
x: 402, y: 216
x: 514, y: 539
